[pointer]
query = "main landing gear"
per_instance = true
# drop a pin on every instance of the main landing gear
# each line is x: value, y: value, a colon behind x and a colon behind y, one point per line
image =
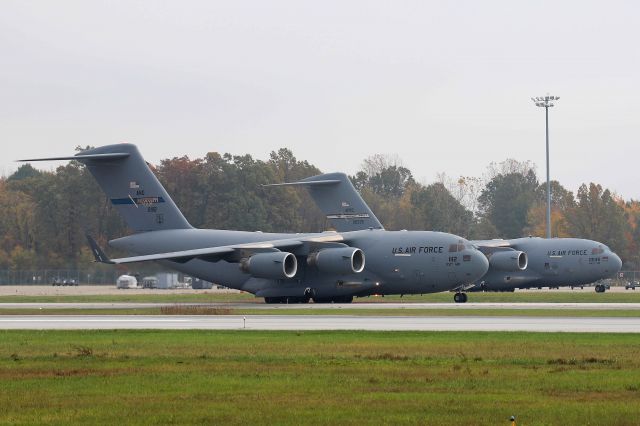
x: 337, y: 299
x: 305, y: 299
x: 286, y: 300
x: 460, y: 297
x: 600, y: 288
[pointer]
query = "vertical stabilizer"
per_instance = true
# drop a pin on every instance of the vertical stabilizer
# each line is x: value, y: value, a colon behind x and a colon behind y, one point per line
x: 134, y: 190
x: 131, y: 186
x: 337, y: 198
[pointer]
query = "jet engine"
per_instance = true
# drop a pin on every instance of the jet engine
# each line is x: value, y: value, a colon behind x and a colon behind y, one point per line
x: 273, y: 265
x: 343, y: 260
x: 509, y: 260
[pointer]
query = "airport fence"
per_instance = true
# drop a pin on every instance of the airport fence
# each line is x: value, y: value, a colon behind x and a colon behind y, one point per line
x: 49, y: 276
x: 627, y: 276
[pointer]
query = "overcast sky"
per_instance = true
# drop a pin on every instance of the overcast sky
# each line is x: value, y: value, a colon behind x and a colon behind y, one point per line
x: 444, y: 85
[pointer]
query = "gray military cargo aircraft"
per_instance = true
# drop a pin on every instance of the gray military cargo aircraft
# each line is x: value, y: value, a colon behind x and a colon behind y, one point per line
x: 554, y: 262
x: 282, y: 268
x: 517, y: 263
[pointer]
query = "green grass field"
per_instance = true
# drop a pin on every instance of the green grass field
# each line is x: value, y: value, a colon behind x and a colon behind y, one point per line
x: 206, y: 310
x: 202, y: 377
x: 133, y: 296
x: 577, y: 296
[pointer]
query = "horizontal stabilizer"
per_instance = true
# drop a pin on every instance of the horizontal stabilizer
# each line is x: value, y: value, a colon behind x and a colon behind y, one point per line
x: 309, y: 183
x: 81, y: 157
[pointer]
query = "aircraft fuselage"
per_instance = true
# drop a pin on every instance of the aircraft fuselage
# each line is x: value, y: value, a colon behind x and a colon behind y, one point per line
x: 397, y: 262
x: 555, y: 262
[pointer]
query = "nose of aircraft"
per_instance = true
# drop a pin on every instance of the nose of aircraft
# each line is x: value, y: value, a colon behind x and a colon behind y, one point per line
x: 615, y: 262
x: 479, y: 267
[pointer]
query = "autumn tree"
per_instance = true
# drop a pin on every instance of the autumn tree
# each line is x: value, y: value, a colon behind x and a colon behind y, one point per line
x: 598, y: 216
x: 505, y: 202
x: 562, y: 200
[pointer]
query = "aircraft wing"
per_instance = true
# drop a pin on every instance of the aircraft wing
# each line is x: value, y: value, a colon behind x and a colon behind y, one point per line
x: 491, y: 243
x: 490, y: 246
x: 235, y: 252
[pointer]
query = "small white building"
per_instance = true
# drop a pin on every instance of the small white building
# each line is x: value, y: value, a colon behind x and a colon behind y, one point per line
x: 126, y: 281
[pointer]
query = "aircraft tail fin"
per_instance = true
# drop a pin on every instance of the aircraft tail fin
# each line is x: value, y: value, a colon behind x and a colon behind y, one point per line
x: 338, y: 199
x: 131, y: 186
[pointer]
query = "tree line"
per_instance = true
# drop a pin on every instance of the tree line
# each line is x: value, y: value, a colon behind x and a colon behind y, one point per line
x: 44, y: 215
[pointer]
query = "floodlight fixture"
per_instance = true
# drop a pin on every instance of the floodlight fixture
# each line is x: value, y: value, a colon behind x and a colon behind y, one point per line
x: 546, y: 103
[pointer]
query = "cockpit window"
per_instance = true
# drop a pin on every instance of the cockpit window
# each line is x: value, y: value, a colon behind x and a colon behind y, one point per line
x: 597, y: 250
x: 453, y: 248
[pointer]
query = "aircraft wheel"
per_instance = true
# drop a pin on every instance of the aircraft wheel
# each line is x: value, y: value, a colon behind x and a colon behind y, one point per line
x: 460, y: 297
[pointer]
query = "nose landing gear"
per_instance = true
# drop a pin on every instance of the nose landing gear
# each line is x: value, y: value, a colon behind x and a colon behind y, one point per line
x: 460, y: 297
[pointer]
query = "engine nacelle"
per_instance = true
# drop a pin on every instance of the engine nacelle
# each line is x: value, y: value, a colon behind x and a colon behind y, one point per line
x: 343, y: 260
x: 509, y: 260
x: 273, y: 265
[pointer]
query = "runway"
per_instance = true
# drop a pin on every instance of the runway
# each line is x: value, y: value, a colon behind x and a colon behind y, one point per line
x: 336, y: 306
x: 319, y: 322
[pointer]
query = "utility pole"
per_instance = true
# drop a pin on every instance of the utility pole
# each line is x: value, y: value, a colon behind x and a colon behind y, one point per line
x: 546, y: 102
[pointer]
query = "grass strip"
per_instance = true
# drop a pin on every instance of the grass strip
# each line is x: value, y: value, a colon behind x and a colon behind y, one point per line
x: 203, y: 310
x: 551, y: 296
x: 353, y: 378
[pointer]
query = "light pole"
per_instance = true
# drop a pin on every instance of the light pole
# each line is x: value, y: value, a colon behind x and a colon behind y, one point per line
x: 546, y: 102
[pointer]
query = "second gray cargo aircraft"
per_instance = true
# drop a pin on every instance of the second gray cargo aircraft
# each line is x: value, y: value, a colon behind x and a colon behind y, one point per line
x: 517, y: 263
x: 328, y: 266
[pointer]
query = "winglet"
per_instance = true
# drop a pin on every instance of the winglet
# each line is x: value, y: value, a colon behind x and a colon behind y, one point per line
x: 97, y: 251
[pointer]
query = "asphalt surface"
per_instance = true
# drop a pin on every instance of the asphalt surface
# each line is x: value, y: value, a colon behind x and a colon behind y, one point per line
x: 336, y: 306
x: 320, y: 322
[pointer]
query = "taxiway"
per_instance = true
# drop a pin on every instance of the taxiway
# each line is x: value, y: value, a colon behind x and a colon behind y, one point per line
x: 321, y: 322
x: 324, y: 306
